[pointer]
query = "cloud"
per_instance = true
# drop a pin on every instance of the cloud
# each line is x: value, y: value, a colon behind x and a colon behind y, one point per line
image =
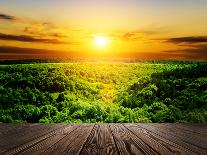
x: 188, y: 40
x: 198, y: 53
x: 11, y: 52
x: 130, y: 36
x: 44, y: 29
x: 43, y: 32
x: 7, y: 17
x: 141, y: 33
x: 133, y: 35
x: 14, y: 53
x: 20, y: 50
x: 37, y: 28
x: 127, y: 36
x: 148, y: 31
x: 196, y: 48
x: 26, y: 38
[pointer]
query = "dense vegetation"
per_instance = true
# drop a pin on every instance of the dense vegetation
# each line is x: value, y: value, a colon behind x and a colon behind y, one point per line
x: 103, y: 92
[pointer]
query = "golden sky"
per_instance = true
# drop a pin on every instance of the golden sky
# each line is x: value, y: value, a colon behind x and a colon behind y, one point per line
x: 152, y: 29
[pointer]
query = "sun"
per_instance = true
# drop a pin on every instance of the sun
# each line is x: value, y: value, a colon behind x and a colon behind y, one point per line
x: 101, y: 41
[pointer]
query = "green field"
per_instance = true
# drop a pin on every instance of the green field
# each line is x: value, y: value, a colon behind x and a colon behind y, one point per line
x: 103, y: 92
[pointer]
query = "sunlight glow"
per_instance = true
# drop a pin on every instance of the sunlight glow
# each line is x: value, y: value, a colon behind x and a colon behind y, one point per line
x: 101, y: 41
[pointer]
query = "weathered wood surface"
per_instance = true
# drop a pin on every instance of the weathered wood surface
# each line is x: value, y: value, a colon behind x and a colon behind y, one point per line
x: 103, y: 139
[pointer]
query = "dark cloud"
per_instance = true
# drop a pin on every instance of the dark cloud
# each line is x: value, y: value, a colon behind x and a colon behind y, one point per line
x: 188, y: 40
x: 25, y: 38
x: 14, y: 53
x: 20, y: 50
x: 196, y: 48
x: 198, y: 53
x: 11, y: 52
x: 36, y: 28
x: 7, y: 17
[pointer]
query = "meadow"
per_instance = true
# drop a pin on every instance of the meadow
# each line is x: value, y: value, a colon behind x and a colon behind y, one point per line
x: 112, y: 92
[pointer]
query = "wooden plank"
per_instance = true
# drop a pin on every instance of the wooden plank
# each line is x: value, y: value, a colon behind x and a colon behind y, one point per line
x: 73, y: 142
x: 159, y: 144
x: 173, y: 138
x: 100, y: 142
x: 76, y: 146
x: 192, y: 128
x: 47, y: 141
x: 189, y: 137
x: 9, y: 134
x: 26, y: 145
x: 194, y: 139
x: 15, y: 139
x: 9, y: 128
x: 103, y: 139
x: 128, y: 143
x: 199, y: 125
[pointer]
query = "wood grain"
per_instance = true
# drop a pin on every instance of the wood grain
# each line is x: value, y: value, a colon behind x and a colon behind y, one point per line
x: 100, y: 142
x: 24, y: 135
x: 47, y: 141
x: 129, y: 143
x: 174, y: 137
x: 103, y: 139
x: 157, y: 142
x: 72, y: 143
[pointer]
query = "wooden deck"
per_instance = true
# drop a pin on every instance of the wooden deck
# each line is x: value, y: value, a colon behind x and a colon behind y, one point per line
x: 103, y: 139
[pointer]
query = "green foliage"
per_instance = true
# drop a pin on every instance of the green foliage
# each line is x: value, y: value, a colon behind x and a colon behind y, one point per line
x: 6, y: 118
x: 112, y: 92
x: 159, y: 112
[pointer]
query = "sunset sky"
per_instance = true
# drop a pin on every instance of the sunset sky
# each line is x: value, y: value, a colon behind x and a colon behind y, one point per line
x: 143, y: 29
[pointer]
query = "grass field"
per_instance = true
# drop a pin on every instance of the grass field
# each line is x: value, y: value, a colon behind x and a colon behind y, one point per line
x: 103, y: 92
